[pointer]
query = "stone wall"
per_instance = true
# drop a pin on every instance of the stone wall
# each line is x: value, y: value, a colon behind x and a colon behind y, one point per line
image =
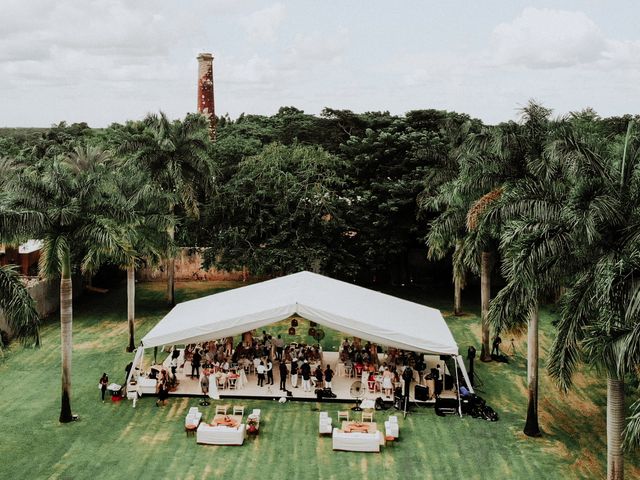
x: 46, y: 294
x: 188, y: 267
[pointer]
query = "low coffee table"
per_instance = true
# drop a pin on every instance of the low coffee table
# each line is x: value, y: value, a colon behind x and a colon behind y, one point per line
x: 371, y: 427
x: 220, y: 420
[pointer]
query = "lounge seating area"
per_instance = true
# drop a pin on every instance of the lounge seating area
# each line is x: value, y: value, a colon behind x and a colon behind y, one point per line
x: 358, y: 436
x: 226, y: 427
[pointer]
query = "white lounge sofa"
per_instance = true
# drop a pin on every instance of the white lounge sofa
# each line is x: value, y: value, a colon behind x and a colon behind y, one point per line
x: 221, y: 435
x: 357, y: 441
x: 147, y: 386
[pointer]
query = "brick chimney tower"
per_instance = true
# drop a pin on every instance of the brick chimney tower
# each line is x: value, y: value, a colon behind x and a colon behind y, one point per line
x: 206, y: 104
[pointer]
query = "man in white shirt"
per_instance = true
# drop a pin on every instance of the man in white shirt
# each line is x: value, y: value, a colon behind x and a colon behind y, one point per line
x: 260, y: 369
x: 269, y: 372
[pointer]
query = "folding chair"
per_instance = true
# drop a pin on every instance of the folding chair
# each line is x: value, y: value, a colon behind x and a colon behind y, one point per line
x: 367, y: 416
x: 221, y: 409
x: 238, y: 410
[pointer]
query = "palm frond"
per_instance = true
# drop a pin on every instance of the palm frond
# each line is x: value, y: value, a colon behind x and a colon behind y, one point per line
x: 18, y: 307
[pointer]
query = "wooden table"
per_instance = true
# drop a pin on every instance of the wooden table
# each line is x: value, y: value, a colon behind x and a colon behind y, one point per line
x: 220, y: 418
x: 372, y: 426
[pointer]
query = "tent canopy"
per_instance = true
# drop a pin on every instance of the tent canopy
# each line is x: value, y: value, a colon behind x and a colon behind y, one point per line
x: 358, y: 311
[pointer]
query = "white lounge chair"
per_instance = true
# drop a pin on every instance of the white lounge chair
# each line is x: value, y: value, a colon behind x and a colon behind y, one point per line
x: 325, y: 426
x: 391, y: 430
x: 193, y: 417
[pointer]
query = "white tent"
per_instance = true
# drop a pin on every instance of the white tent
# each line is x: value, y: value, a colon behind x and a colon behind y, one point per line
x: 358, y: 311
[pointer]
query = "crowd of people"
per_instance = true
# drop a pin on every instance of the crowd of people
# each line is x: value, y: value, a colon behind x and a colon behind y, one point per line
x: 298, y: 365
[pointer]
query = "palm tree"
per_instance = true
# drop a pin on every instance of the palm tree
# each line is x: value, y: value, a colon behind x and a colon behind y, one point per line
x: 79, y: 216
x: 529, y: 210
x: 18, y: 307
x: 447, y: 232
x: 599, y: 316
x: 148, y: 230
x: 441, y: 194
x: 492, y: 157
x: 16, y: 304
x: 175, y: 153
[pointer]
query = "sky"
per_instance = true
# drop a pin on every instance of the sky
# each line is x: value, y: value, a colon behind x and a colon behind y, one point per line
x: 110, y: 61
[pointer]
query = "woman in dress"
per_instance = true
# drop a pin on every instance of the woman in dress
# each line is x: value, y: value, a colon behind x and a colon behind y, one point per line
x: 104, y: 381
x: 387, y: 382
x: 163, y: 389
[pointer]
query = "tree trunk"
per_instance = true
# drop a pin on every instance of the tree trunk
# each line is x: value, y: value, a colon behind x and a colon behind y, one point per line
x: 171, y: 269
x: 485, y: 297
x: 457, y: 296
x: 615, y: 426
x: 531, y: 427
x: 131, y: 306
x: 66, y: 338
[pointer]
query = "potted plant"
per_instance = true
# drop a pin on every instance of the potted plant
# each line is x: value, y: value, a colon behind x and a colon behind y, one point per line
x: 252, y: 425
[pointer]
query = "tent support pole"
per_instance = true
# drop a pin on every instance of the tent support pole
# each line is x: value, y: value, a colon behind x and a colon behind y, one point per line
x: 458, y: 388
x: 463, y: 369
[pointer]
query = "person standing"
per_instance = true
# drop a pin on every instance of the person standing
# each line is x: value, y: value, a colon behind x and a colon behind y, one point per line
x: 163, y: 389
x: 260, y: 371
x: 195, y: 364
x: 204, y: 384
x: 279, y: 342
x: 387, y: 382
x: 328, y: 376
x: 305, y: 371
x: 174, y: 366
x: 495, y: 350
x: 319, y: 377
x: 283, y: 375
x: 104, y: 381
x: 439, y: 379
x: 294, y: 373
x: 269, y: 372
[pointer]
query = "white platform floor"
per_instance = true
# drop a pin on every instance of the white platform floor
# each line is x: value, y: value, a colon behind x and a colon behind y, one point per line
x: 341, y: 385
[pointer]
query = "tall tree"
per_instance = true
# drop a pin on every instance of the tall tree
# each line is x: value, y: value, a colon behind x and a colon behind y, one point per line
x: 70, y: 204
x: 495, y: 156
x: 447, y: 230
x: 175, y: 153
x: 280, y: 213
x: 529, y: 210
x: 148, y: 227
x: 387, y: 167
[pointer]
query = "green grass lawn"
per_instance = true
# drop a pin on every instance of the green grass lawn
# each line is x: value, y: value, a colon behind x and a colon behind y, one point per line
x: 117, y: 441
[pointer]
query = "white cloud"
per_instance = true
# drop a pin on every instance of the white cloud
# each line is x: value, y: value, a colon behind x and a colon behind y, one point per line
x: 328, y: 47
x: 262, y: 25
x: 547, y: 38
x: 254, y: 70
